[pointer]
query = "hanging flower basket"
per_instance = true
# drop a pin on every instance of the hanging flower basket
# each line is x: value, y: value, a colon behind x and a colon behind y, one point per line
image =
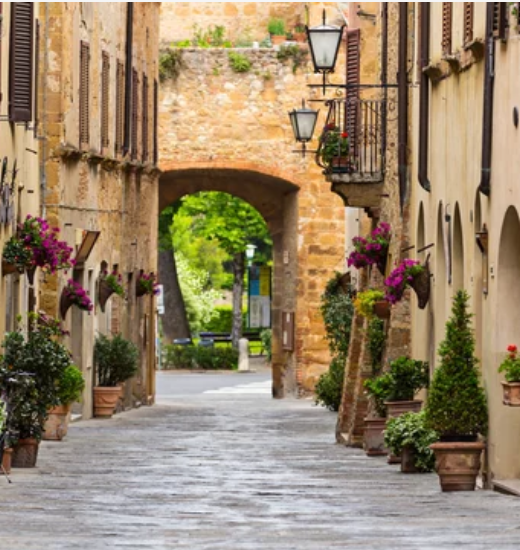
x: 373, y: 250
x: 146, y: 284
x: 65, y: 304
x: 421, y: 284
x: 8, y: 268
x: 109, y: 284
x: 382, y: 309
x: 104, y: 293
x: 74, y: 295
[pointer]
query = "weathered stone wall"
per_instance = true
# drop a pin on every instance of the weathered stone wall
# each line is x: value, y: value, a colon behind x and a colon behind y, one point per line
x: 83, y: 193
x: 226, y: 131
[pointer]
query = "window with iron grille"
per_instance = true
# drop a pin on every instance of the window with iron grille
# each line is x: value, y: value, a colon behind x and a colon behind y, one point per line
x: 21, y: 86
x: 468, y: 22
x: 120, y: 107
x: 500, y: 13
x: 155, y: 122
x: 145, y: 118
x: 84, y: 96
x: 105, y: 99
x: 135, y: 115
x: 446, y: 27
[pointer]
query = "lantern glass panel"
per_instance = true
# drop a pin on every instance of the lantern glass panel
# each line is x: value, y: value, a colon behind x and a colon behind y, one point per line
x: 324, y: 43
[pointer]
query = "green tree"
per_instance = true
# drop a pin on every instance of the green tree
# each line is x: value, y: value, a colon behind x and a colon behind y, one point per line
x: 233, y: 224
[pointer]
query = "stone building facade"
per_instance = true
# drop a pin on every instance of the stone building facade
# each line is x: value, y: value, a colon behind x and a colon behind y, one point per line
x: 227, y: 131
x: 20, y: 174
x: 465, y: 197
x: 98, y: 97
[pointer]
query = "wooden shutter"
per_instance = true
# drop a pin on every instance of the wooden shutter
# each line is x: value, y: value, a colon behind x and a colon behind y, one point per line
x: 145, y: 118
x: 36, y: 78
x: 21, y: 62
x: 468, y: 22
x: 446, y: 27
x: 120, y: 107
x: 500, y: 14
x: 84, y: 96
x: 2, y: 27
x: 155, y: 122
x: 353, y: 75
x: 135, y: 114
x: 105, y: 99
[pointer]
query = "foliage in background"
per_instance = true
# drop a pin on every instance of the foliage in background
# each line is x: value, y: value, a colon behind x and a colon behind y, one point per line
x: 376, y: 337
x: 405, y: 378
x: 294, y: 52
x: 70, y: 385
x: 239, y: 62
x: 337, y: 311
x: 409, y: 430
x: 378, y: 390
x: 456, y: 401
x: 170, y: 64
x: 222, y: 320
x: 364, y: 301
x: 276, y: 26
x: 267, y: 343
x: 199, y: 357
x: 115, y: 360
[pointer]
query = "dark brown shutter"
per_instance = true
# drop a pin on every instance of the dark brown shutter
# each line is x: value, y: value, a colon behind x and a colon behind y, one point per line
x: 145, y: 118
x: 1, y: 33
x: 424, y: 96
x: 84, y: 96
x: 155, y: 122
x: 353, y: 75
x: 446, y: 27
x: 36, y: 78
x: 468, y: 22
x: 120, y: 107
x: 500, y: 15
x: 105, y: 99
x: 21, y: 62
x: 135, y: 114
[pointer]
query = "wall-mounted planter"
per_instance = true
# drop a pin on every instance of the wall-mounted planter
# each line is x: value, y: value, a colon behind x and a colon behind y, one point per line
x: 8, y: 269
x: 104, y: 293
x: 511, y: 394
x: 421, y: 285
x: 382, y: 309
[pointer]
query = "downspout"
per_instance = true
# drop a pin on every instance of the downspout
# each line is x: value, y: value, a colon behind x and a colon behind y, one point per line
x: 402, y: 82
x: 384, y: 80
x: 128, y: 76
x: 487, y: 123
x: 424, y: 98
x: 43, y: 136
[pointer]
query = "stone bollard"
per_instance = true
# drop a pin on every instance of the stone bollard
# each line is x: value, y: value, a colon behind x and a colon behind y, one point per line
x: 243, y: 355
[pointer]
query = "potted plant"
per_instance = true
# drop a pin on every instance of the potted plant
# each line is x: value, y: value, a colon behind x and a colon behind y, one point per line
x: 276, y: 29
x: 300, y: 33
x: 69, y: 387
x: 409, y: 273
x: 73, y: 294
x: 372, y: 302
x: 511, y: 367
x: 109, y: 283
x: 372, y: 250
x: 375, y: 423
x: 5, y: 450
x: 334, y: 149
x: 146, y: 284
x: 456, y: 408
x: 116, y: 361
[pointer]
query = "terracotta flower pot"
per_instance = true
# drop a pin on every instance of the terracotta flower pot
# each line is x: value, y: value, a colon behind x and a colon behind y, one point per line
x: 457, y: 464
x: 421, y: 285
x: 374, y: 439
x: 278, y: 39
x: 396, y: 409
x: 511, y: 394
x: 104, y: 293
x: 57, y: 423
x: 300, y: 36
x: 341, y: 165
x: 408, y: 461
x: 25, y: 453
x: 6, y: 460
x: 382, y: 309
x: 7, y: 268
x: 105, y: 401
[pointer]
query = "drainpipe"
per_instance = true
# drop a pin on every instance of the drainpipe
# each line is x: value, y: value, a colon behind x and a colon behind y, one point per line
x: 402, y: 128
x: 424, y: 98
x: 43, y: 135
x: 384, y: 77
x: 128, y: 75
x: 487, y: 123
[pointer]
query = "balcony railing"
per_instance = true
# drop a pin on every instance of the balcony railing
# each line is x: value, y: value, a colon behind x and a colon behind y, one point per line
x: 352, y: 144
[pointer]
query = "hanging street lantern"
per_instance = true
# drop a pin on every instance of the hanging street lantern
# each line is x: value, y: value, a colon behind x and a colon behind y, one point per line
x: 324, y: 42
x: 303, y: 122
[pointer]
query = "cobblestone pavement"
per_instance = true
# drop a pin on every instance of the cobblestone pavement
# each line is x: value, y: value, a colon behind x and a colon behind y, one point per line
x: 236, y: 470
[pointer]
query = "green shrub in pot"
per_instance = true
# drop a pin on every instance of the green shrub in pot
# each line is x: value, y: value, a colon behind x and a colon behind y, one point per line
x: 70, y: 385
x: 115, y: 359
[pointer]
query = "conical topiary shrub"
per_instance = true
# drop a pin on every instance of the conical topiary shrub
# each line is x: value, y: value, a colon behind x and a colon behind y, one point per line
x: 456, y: 406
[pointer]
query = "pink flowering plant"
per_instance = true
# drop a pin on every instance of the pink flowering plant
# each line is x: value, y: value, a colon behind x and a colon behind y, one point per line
x: 36, y: 244
x: 372, y: 250
x: 78, y: 296
x: 114, y: 282
x: 400, y: 278
x: 147, y: 284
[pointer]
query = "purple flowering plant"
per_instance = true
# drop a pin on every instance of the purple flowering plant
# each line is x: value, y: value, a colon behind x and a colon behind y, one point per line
x: 115, y: 281
x: 36, y: 244
x: 147, y: 284
x: 400, y: 278
x: 372, y: 250
x: 78, y: 296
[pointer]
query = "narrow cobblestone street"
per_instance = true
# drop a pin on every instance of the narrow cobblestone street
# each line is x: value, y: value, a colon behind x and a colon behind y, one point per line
x: 231, y: 468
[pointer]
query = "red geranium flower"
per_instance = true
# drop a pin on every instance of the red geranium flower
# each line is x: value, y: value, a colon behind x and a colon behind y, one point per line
x: 512, y: 348
x: 344, y: 135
